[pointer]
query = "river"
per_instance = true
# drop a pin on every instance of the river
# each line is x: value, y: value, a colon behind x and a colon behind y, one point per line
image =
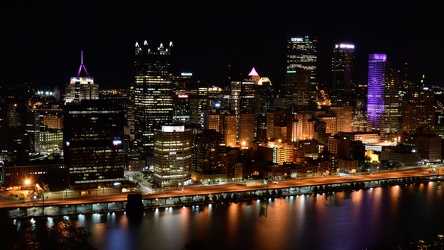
x: 375, y: 218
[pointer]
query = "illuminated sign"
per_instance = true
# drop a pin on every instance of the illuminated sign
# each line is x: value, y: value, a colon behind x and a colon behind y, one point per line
x: 182, y: 96
x: 297, y: 39
x: 166, y: 128
x: 345, y: 46
x: 117, y: 142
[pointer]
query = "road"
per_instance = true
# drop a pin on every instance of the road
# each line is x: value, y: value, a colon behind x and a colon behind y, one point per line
x: 115, y: 194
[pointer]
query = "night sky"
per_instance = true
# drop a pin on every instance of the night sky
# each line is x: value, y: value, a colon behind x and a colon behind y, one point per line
x: 42, y: 40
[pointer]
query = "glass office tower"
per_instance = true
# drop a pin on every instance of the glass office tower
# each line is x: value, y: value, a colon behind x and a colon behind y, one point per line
x: 153, y: 94
x: 302, y: 54
x: 342, y: 67
x: 375, y: 99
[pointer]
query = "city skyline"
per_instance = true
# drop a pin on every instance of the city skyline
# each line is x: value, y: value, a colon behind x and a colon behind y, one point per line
x: 43, y: 41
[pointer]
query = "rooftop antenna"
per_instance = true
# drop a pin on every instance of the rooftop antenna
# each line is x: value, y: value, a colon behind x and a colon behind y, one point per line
x: 82, y: 66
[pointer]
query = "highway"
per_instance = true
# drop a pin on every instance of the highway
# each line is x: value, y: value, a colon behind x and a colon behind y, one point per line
x: 115, y: 194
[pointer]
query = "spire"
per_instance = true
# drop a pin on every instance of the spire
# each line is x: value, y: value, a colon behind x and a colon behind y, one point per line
x: 253, y: 72
x: 82, y: 69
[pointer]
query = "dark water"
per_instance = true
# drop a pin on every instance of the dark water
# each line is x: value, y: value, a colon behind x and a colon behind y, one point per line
x: 364, y: 219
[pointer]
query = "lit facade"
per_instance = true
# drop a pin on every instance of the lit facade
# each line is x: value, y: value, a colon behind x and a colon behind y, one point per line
x: 199, y: 106
x: 330, y: 124
x: 230, y: 130
x: 172, y: 156
x: 344, y: 118
x: 211, y: 157
x: 375, y: 99
x: 302, y: 53
x: 383, y: 99
x: 419, y: 111
x: 302, y: 127
x: 153, y: 94
x: 82, y: 86
x: 246, y: 130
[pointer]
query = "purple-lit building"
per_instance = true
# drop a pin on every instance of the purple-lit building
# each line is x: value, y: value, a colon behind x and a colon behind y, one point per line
x: 375, y: 97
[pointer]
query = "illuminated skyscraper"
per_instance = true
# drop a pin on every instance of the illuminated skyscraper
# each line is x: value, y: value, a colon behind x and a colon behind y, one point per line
x: 81, y: 87
x: 383, y: 101
x: 375, y: 95
x: 343, y: 86
x: 302, y: 54
x: 172, y: 156
x: 153, y: 94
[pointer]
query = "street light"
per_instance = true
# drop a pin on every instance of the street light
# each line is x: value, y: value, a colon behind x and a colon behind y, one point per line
x: 27, y: 182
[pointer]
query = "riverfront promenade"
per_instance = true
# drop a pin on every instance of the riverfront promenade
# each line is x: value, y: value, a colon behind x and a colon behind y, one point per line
x: 15, y: 198
x: 113, y: 199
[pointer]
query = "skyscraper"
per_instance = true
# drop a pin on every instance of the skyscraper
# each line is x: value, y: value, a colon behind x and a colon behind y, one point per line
x: 81, y: 87
x: 302, y: 54
x: 342, y: 67
x: 153, y: 94
x: 375, y: 95
x: 419, y: 111
x: 172, y: 156
x: 93, y: 142
x: 384, y: 101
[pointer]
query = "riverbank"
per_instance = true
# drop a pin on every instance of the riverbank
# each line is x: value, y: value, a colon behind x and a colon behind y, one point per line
x: 205, y: 197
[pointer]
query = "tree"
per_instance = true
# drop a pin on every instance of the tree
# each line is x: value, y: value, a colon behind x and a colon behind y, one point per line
x: 63, y: 235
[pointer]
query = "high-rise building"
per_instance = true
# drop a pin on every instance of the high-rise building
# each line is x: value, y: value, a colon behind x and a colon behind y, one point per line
x: 383, y: 101
x: 342, y: 67
x: 392, y: 119
x: 153, y: 94
x: 419, y: 111
x: 211, y: 157
x: 297, y: 90
x: 302, y: 53
x: 199, y: 106
x: 246, y: 130
x: 82, y: 86
x: 214, y: 120
x: 302, y: 127
x: 344, y: 118
x: 93, y: 143
x: 172, y: 156
x: 230, y: 130
x: 375, y: 94
x: 181, y: 100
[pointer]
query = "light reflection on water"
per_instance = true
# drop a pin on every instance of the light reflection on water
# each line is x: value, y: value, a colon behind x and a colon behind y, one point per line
x: 343, y: 220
